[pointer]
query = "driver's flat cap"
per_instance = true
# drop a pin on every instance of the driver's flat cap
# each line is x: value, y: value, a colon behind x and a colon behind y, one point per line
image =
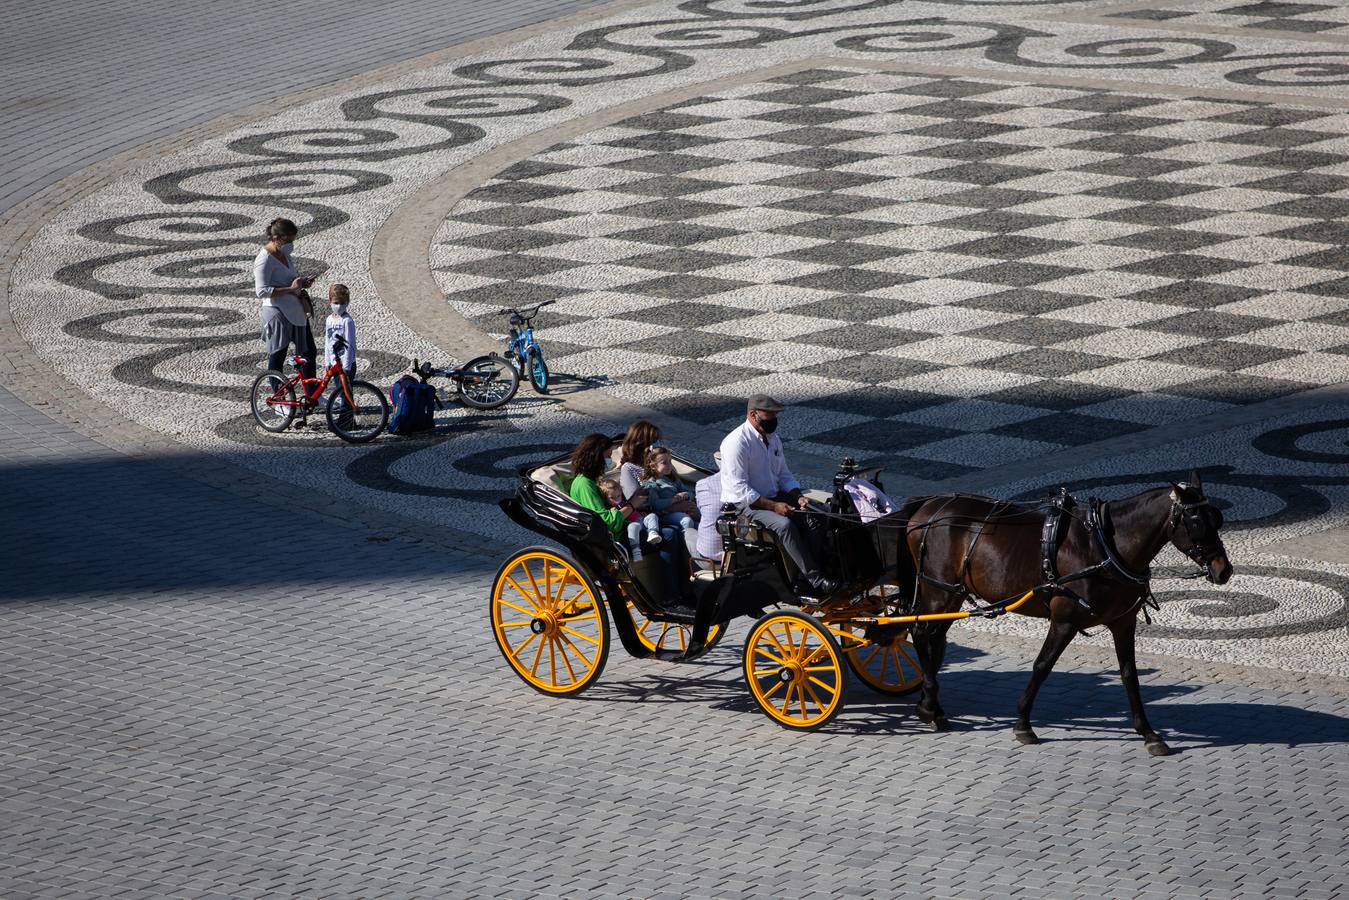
x: 763, y: 402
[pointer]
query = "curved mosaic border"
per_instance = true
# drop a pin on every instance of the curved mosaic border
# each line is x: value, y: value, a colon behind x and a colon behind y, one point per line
x: 138, y: 293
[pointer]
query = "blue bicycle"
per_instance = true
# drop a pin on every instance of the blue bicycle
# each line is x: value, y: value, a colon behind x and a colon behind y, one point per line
x: 522, y: 350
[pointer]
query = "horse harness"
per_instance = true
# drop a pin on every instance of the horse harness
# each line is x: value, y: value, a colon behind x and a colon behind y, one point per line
x: 1058, y: 516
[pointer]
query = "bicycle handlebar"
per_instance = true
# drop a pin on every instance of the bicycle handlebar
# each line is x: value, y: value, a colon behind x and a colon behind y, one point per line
x: 534, y: 310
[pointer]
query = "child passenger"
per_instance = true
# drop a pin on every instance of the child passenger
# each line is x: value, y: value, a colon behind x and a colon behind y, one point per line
x: 669, y: 497
x: 639, y: 525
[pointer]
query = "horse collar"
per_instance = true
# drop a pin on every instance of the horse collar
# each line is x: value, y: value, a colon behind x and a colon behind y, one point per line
x: 1097, y: 519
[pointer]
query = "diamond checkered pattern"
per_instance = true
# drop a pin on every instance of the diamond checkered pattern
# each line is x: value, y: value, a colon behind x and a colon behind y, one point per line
x: 945, y: 273
x: 1322, y: 18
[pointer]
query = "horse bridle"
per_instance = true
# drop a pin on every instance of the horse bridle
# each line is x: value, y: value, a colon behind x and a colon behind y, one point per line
x: 1185, y: 515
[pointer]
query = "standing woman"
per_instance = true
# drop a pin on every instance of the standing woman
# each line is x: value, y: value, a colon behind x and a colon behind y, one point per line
x: 285, y: 303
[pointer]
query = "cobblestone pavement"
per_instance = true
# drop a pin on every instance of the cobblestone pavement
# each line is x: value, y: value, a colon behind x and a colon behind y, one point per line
x: 235, y: 667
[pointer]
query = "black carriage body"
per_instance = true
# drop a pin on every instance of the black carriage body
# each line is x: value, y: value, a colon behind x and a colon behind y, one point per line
x: 754, y: 580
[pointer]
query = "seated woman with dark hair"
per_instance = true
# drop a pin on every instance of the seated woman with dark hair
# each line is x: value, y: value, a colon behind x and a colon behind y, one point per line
x: 587, y: 465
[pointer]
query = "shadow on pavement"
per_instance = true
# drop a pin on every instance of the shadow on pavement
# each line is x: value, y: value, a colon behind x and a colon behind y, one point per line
x: 136, y: 529
x: 1072, y: 706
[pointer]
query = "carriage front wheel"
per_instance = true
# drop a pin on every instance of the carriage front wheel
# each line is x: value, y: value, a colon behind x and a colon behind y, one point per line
x: 549, y: 622
x: 795, y: 670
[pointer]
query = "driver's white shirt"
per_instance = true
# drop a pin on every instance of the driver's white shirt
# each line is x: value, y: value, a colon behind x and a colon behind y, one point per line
x: 752, y: 468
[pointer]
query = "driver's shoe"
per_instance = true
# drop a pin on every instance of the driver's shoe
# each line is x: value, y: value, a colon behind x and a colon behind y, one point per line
x: 817, y: 585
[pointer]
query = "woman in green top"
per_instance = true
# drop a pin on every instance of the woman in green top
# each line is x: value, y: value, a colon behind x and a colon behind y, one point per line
x: 587, y: 462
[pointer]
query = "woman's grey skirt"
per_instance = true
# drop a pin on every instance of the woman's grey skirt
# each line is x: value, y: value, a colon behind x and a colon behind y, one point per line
x: 278, y: 333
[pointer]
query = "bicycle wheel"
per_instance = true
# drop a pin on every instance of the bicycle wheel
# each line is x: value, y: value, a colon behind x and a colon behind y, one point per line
x: 488, y: 382
x: 272, y: 401
x: 538, y: 372
x: 364, y: 419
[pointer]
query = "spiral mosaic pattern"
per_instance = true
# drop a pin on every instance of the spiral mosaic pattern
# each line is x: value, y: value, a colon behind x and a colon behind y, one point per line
x: 140, y: 294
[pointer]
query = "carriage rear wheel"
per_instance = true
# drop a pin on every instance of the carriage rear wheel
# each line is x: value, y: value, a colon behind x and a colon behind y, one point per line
x: 795, y: 670
x: 669, y: 635
x: 549, y: 622
x: 892, y: 670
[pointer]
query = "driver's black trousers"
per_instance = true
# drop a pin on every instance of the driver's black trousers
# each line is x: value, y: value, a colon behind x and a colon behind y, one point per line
x: 788, y: 533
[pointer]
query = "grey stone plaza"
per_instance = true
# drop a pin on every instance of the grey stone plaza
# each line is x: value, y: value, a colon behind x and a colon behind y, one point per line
x: 996, y: 247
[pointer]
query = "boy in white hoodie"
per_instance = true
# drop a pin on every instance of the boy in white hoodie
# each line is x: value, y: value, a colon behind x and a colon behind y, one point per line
x: 340, y: 322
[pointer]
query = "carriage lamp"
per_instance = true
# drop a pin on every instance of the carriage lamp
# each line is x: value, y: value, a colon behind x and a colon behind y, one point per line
x: 730, y: 513
x: 841, y: 502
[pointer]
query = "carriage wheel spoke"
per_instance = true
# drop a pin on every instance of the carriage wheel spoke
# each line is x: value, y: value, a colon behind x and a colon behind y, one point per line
x: 514, y: 624
x: 801, y: 699
x: 566, y: 661
x: 875, y: 648
x: 548, y: 585
x: 523, y: 593
x: 566, y: 578
x: 519, y: 609
x: 774, y: 689
x: 532, y: 580
x: 814, y: 696
x: 786, y: 702
x: 515, y: 654
x: 576, y: 634
x: 777, y: 659
x: 564, y: 641
x: 552, y: 659
x: 824, y: 685
x: 534, y: 669
x: 768, y: 633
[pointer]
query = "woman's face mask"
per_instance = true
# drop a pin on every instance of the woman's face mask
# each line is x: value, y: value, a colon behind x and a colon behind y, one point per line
x: 288, y: 248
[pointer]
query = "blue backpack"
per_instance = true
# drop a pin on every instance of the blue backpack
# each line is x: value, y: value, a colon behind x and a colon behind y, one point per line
x: 414, y: 406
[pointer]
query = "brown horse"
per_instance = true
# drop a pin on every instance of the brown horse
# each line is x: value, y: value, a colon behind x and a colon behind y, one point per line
x: 1092, y: 570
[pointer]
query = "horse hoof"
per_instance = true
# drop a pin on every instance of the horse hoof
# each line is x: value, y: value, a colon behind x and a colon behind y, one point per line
x: 939, y: 723
x: 1025, y: 737
x: 1158, y: 748
x: 922, y: 714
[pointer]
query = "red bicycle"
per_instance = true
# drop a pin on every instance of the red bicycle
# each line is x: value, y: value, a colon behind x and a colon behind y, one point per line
x: 356, y: 410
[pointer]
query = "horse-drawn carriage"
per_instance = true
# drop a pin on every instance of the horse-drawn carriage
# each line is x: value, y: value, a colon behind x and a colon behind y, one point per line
x: 551, y: 611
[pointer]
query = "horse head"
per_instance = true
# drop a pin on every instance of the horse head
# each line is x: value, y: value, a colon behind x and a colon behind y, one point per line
x: 1194, y: 524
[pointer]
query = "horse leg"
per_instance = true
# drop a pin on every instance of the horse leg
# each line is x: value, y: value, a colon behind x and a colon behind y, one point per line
x: 1123, y: 631
x: 931, y: 647
x: 1060, y: 635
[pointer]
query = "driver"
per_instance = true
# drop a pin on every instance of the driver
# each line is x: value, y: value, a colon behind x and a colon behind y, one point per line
x: 755, y: 477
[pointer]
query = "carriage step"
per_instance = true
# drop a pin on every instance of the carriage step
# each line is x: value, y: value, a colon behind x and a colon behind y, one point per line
x: 679, y: 656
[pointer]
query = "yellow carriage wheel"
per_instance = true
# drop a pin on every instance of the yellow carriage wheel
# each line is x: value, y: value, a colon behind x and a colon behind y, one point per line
x: 795, y: 670
x: 668, y: 635
x: 892, y: 670
x: 550, y: 622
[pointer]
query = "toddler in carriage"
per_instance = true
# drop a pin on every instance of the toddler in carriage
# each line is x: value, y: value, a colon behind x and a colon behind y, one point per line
x: 640, y: 525
x: 669, y: 497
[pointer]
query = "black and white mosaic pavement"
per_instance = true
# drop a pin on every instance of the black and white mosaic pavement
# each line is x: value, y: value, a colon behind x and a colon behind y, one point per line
x: 1319, y: 18
x: 946, y: 271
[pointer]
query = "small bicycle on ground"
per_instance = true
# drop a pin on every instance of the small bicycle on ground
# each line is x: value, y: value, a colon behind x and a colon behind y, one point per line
x: 356, y: 410
x: 484, y: 382
x: 523, y: 350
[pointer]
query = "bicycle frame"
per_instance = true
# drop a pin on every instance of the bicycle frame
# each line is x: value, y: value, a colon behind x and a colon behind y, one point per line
x: 521, y: 342
x: 311, y: 400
